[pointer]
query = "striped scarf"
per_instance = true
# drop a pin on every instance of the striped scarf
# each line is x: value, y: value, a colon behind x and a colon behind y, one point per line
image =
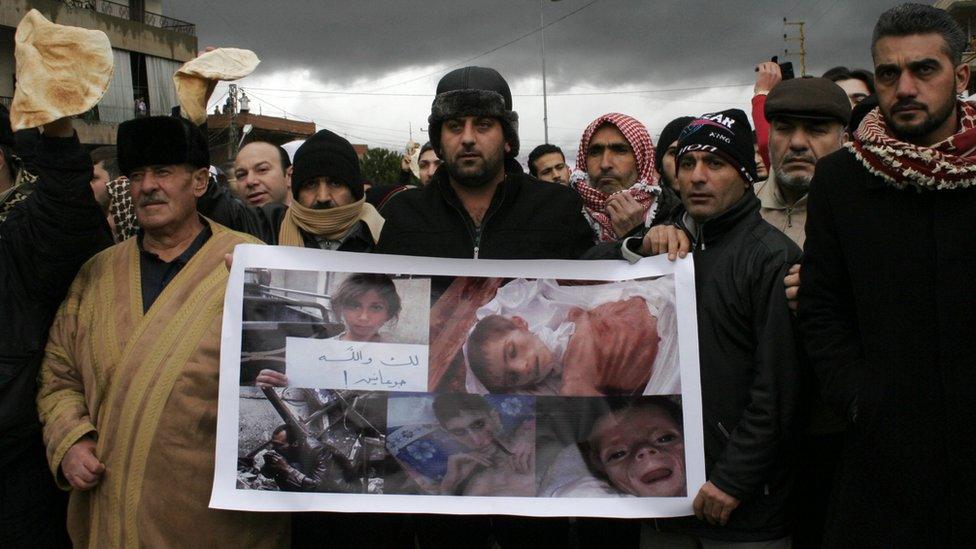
x: 949, y: 164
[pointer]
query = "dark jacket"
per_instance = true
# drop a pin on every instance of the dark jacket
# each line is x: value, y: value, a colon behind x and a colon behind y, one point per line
x: 264, y: 222
x: 527, y: 219
x: 43, y: 242
x: 887, y: 309
x: 749, y: 369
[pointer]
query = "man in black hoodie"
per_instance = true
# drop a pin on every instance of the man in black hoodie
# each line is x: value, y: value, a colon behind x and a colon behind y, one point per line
x: 749, y: 365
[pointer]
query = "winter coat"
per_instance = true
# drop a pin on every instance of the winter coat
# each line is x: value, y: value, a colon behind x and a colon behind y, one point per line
x: 43, y: 242
x: 887, y: 309
x: 749, y: 369
x: 264, y: 222
x: 527, y: 219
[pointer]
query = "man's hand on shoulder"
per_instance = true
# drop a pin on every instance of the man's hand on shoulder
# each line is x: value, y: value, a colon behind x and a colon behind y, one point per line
x: 81, y: 467
x: 713, y: 505
x: 667, y: 239
x: 792, y: 283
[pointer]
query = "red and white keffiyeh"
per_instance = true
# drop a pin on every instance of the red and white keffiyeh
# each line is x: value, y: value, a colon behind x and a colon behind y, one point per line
x: 645, y: 190
x: 949, y: 164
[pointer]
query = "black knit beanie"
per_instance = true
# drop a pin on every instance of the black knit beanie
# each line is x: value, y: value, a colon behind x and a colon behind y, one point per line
x: 473, y: 91
x: 669, y: 135
x: 330, y: 155
x: 726, y: 134
x: 160, y: 141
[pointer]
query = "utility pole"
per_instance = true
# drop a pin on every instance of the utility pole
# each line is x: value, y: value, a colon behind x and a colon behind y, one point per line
x: 545, y: 97
x: 232, y: 126
x: 801, y: 39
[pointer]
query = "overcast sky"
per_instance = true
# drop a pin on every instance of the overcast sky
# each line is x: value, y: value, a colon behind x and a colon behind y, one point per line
x: 368, y: 69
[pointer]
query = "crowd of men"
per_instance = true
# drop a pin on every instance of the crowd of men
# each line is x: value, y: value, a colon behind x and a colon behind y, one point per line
x: 835, y: 297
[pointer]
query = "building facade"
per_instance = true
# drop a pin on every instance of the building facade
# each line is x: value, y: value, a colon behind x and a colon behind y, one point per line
x: 147, y: 46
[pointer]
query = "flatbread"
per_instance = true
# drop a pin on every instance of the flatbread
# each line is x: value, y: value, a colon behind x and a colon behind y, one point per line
x: 195, y: 79
x: 61, y: 71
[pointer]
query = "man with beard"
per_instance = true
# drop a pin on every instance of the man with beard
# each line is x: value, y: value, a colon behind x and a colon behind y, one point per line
x: 480, y: 204
x: 615, y: 176
x: 328, y: 208
x: 807, y: 118
x: 888, y: 302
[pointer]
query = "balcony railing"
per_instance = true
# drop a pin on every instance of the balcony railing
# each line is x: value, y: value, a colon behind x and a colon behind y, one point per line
x: 122, y: 11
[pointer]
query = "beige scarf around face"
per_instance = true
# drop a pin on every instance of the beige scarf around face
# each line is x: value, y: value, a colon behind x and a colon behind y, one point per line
x: 331, y: 224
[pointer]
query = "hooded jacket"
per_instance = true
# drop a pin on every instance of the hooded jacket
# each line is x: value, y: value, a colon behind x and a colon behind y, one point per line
x: 750, y: 373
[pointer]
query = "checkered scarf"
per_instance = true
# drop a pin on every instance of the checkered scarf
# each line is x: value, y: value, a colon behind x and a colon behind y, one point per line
x: 121, y: 209
x: 645, y: 190
x: 949, y: 164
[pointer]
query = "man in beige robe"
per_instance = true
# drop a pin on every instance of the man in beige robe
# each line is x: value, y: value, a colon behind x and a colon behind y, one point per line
x: 128, y: 386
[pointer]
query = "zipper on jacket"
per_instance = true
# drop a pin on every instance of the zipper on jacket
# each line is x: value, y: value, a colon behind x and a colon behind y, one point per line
x: 724, y: 430
x: 477, y: 241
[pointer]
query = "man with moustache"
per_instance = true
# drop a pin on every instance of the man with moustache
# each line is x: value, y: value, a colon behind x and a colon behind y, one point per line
x: 888, y: 302
x: 807, y: 121
x: 263, y: 174
x: 127, y: 392
x: 480, y: 204
x: 328, y: 208
x: 615, y: 176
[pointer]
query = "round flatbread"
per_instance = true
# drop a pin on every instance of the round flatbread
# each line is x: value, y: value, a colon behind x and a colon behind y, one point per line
x: 194, y: 80
x: 61, y: 71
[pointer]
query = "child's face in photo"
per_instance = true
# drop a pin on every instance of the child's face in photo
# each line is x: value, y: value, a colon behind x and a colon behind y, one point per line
x: 518, y: 358
x: 642, y: 451
x: 365, y: 315
x: 475, y: 430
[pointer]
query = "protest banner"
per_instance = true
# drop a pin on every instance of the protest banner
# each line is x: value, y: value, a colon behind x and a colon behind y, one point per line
x: 372, y: 383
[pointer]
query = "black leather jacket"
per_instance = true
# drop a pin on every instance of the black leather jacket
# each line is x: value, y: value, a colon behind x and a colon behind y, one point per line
x: 749, y: 367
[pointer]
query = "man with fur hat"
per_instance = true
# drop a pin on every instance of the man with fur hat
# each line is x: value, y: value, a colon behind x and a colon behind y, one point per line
x: 128, y: 384
x: 888, y: 304
x: 45, y: 239
x: 616, y: 178
x: 748, y: 359
x: 328, y: 208
x: 480, y: 203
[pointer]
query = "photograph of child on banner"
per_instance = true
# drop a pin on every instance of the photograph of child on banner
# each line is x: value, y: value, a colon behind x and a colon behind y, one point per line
x: 611, y: 447
x: 462, y: 444
x: 538, y: 337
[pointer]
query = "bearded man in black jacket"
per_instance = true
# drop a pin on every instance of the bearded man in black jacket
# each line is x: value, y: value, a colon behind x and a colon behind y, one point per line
x: 480, y: 204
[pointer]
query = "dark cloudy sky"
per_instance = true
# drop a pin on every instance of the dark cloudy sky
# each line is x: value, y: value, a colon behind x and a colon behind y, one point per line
x: 380, y: 61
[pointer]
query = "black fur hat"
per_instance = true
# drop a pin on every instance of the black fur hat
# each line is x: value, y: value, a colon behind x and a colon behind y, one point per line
x: 160, y: 141
x: 473, y: 91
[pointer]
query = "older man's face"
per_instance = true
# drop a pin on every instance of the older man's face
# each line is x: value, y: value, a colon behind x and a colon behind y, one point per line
x: 795, y: 146
x: 610, y: 161
x: 166, y: 196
